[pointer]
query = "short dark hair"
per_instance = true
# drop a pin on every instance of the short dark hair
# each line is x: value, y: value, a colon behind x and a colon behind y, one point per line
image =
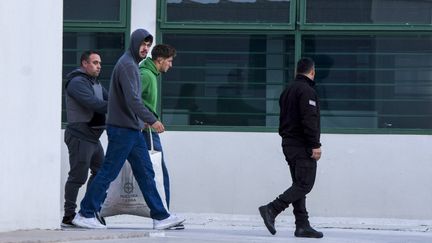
x: 305, y: 65
x: 164, y: 51
x: 86, y: 55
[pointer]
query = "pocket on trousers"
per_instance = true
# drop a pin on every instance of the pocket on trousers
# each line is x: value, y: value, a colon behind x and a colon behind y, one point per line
x: 294, y: 154
x: 307, y: 163
x: 305, y: 175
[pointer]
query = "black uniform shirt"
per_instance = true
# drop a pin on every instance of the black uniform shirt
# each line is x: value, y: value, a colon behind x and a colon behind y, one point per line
x: 299, y: 121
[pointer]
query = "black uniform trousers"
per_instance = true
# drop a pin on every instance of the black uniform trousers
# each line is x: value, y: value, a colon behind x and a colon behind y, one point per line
x: 303, y: 172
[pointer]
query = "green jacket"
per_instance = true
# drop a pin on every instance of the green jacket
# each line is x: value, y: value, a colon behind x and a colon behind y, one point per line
x: 149, y: 94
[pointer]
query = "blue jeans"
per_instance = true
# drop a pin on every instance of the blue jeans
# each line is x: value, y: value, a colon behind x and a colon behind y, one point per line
x: 158, y: 147
x: 124, y: 143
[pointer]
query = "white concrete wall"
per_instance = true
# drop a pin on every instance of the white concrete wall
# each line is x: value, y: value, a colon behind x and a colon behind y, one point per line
x: 143, y: 15
x: 384, y: 176
x: 30, y: 104
x: 373, y: 176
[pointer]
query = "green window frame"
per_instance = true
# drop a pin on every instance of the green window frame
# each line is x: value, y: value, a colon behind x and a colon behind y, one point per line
x: 122, y: 22
x: 300, y: 29
x: 215, y: 25
x: 304, y: 25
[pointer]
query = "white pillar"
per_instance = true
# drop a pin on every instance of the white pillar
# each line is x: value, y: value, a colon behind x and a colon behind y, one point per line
x: 30, y: 108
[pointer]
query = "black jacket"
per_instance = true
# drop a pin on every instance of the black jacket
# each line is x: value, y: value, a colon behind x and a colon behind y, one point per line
x: 299, y: 121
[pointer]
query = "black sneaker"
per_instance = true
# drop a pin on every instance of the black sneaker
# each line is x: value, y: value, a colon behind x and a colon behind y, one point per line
x: 100, y: 218
x: 307, y: 232
x: 67, y: 221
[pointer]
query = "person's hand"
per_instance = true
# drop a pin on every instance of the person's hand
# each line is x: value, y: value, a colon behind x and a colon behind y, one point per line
x: 316, y: 154
x: 158, y: 127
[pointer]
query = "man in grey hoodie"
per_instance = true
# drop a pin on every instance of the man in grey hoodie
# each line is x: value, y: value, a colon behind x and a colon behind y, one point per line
x: 126, y: 118
x: 86, y: 105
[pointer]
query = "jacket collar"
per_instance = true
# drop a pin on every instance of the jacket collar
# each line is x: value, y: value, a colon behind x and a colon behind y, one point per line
x: 303, y: 78
x: 150, y: 65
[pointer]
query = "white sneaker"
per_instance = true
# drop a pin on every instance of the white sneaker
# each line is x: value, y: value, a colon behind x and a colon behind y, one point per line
x: 167, y: 223
x: 89, y: 223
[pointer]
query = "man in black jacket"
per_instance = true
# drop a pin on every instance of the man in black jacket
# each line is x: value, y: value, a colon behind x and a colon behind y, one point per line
x: 86, y: 105
x: 299, y: 127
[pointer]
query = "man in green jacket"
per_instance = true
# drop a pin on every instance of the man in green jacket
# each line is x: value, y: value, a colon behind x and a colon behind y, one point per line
x: 160, y: 61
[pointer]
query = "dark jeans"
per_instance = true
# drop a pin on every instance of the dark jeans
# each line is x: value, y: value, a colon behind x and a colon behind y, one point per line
x: 158, y: 147
x: 124, y: 143
x: 83, y: 155
x: 303, y: 172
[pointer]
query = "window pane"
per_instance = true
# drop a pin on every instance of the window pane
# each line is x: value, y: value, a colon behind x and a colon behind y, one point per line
x: 85, y: 10
x: 226, y: 80
x: 109, y: 45
x: 373, y: 81
x: 263, y: 11
x: 369, y: 12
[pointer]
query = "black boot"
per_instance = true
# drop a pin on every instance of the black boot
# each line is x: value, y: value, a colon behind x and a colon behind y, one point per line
x: 268, y: 215
x: 307, y: 231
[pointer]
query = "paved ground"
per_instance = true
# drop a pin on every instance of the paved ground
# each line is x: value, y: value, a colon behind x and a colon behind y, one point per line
x: 236, y: 229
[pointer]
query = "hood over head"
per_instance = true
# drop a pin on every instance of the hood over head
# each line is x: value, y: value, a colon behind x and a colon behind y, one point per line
x: 78, y: 72
x: 137, y: 37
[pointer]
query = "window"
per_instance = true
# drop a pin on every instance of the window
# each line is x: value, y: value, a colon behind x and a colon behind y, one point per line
x: 373, y: 61
x: 226, y: 81
x: 109, y: 45
x: 403, y: 12
x: 83, y: 31
x: 99, y: 13
x: 373, y: 81
x: 246, y: 11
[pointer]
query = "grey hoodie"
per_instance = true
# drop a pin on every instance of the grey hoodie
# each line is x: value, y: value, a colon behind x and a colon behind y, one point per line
x: 125, y: 108
x: 86, y: 105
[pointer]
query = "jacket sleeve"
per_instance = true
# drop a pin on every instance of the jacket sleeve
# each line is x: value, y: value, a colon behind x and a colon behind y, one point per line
x: 130, y: 82
x: 310, y: 117
x: 83, y: 93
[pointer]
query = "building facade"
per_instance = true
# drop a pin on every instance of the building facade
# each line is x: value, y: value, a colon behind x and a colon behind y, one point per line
x: 220, y: 100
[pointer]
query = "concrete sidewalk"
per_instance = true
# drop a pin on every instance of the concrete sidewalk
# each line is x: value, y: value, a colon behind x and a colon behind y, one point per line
x: 235, y: 228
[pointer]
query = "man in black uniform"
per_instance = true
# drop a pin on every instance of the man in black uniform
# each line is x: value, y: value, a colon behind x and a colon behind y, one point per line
x: 299, y: 127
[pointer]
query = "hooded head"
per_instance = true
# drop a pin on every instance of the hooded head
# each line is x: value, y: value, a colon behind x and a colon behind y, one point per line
x: 138, y: 37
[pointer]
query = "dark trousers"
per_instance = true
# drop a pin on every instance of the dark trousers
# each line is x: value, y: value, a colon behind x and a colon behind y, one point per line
x: 83, y: 156
x: 303, y: 172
